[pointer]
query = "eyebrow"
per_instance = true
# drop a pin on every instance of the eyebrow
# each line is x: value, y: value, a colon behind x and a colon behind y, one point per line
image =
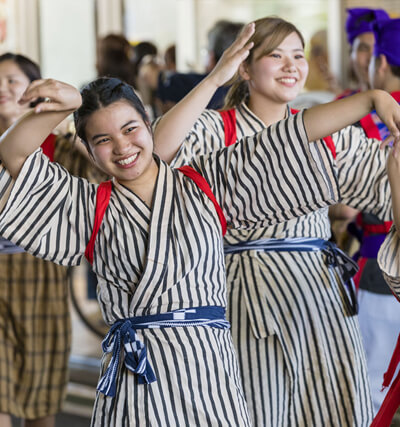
x: 100, y: 135
x: 293, y: 50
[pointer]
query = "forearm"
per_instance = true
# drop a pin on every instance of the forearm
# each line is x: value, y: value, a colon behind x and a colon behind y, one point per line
x: 325, y: 119
x: 25, y: 136
x: 395, y: 188
x: 177, y: 122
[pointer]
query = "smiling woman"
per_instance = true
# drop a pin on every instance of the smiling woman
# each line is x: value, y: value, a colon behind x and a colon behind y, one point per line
x: 168, y: 357
x: 274, y: 283
x: 34, y: 307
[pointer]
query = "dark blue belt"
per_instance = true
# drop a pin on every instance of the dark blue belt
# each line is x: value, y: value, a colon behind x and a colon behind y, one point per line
x: 335, y: 258
x: 123, y: 332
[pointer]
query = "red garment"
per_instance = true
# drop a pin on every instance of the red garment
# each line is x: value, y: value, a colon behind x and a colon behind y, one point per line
x: 49, y: 146
x: 229, y: 119
x: 103, y: 198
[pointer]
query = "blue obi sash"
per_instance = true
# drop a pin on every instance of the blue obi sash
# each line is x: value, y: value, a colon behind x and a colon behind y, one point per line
x: 335, y: 258
x: 123, y: 332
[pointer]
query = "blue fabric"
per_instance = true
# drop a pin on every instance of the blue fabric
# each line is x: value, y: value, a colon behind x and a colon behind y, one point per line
x: 335, y: 258
x: 123, y: 333
x: 361, y: 20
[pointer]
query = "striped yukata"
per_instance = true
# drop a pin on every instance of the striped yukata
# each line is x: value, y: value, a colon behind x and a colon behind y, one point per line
x: 298, y: 342
x: 389, y: 263
x: 171, y: 257
x: 35, y: 325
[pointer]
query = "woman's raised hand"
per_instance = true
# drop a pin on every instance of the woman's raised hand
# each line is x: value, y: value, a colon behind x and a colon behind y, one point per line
x: 52, y: 95
x: 231, y: 59
x: 388, y: 110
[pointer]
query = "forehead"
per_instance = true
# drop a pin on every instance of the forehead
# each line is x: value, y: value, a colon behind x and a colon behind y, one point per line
x: 291, y: 42
x: 9, y: 67
x: 111, y: 118
x: 365, y: 39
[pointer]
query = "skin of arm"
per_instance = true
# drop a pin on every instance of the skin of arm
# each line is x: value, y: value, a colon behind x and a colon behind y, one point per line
x: 393, y: 170
x: 325, y: 119
x: 176, y: 123
x: 28, y: 133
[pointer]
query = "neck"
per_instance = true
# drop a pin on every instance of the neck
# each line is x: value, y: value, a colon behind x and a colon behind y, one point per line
x: 144, y: 185
x: 364, y: 86
x: 268, y: 111
x: 392, y: 84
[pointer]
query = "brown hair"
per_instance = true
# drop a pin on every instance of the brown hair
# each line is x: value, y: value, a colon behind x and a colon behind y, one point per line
x: 272, y: 29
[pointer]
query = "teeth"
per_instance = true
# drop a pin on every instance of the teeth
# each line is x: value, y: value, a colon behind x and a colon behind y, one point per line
x: 288, y: 80
x: 128, y: 160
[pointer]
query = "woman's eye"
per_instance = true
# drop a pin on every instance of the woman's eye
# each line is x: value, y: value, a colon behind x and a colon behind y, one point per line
x: 102, y: 141
x: 299, y: 56
x: 130, y: 129
x: 275, y: 55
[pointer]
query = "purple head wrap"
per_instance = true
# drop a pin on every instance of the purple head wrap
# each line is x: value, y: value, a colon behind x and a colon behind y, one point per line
x: 387, y: 40
x: 361, y: 20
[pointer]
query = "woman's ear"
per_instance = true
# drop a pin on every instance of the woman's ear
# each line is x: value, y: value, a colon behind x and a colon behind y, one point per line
x: 243, y: 71
x: 383, y: 64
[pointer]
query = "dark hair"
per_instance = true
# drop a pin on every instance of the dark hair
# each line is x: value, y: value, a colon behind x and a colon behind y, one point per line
x: 221, y: 36
x: 140, y: 50
x: 26, y: 65
x: 113, y: 58
x: 269, y: 33
x: 101, y: 93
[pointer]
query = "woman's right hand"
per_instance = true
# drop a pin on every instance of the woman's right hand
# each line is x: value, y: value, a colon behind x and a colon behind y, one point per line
x: 52, y: 96
x: 232, y: 57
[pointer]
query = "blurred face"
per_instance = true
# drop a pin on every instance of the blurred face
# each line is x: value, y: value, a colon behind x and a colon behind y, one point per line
x: 13, y: 83
x: 361, y: 53
x: 121, y: 143
x: 280, y: 75
x: 376, y: 74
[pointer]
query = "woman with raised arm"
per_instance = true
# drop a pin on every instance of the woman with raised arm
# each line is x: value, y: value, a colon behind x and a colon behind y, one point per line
x: 293, y: 316
x: 35, y: 329
x: 154, y: 234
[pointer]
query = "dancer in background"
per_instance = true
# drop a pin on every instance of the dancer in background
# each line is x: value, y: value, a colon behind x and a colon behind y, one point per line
x: 157, y: 244
x: 35, y: 330
x: 293, y: 316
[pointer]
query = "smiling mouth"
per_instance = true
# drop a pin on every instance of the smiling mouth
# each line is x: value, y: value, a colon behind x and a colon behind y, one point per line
x: 288, y: 80
x: 128, y: 160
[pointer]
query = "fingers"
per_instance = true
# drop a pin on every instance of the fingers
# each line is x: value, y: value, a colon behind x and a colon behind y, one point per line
x: 51, y: 95
x: 243, y: 37
x: 32, y: 91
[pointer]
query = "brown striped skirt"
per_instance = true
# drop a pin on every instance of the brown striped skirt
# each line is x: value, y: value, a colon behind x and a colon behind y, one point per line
x: 35, y: 336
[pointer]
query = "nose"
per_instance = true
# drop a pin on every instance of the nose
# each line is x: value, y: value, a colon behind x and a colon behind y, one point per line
x: 289, y: 65
x: 3, y: 84
x: 121, y: 145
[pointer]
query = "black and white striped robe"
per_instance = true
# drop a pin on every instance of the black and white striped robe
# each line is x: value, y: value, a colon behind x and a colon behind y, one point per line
x: 171, y: 257
x: 299, y: 348
x: 389, y: 261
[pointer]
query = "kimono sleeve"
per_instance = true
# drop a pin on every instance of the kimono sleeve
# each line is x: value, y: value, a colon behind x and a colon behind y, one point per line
x: 207, y: 135
x: 272, y: 176
x: 362, y: 174
x: 47, y: 212
x: 6, y: 184
x: 389, y: 260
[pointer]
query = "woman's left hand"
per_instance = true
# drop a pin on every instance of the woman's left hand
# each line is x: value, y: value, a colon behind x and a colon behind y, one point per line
x: 52, y: 95
x: 232, y: 57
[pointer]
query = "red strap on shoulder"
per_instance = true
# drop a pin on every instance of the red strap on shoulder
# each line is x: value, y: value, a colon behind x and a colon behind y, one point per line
x: 328, y: 139
x: 201, y: 182
x: 49, y: 146
x: 391, y: 402
x: 370, y: 128
x: 229, y: 119
x: 102, y: 199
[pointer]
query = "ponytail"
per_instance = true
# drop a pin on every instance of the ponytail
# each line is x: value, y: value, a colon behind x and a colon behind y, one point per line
x: 238, y: 92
